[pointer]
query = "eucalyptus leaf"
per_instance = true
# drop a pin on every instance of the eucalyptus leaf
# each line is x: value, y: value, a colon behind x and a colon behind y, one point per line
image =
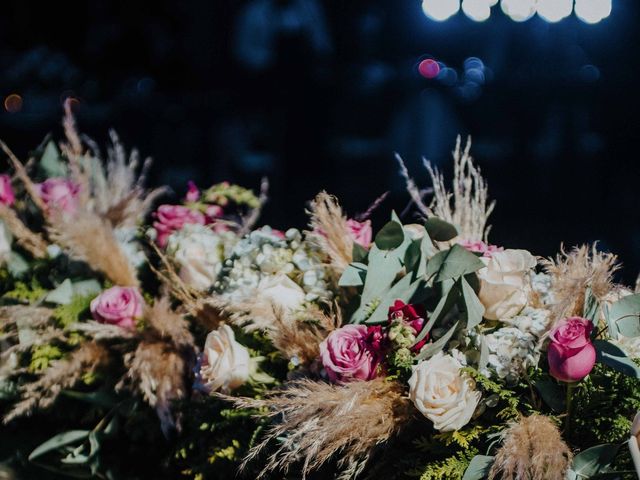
x: 447, y: 301
x: 552, y: 394
x: 402, y: 290
x: 478, y: 468
x: 51, y: 163
x: 17, y: 265
x: 591, y: 307
x: 359, y: 253
x: 473, y: 307
x: 62, y: 294
x: 86, y: 288
x: 614, y: 357
x: 594, y: 460
x: 452, y: 263
x: 431, y: 349
x: 390, y: 236
x: 623, y: 317
x: 100, y: 398
x: 353, y: 275
x: 439, y: 230
x: 59, y: 441
x: 412, y: 257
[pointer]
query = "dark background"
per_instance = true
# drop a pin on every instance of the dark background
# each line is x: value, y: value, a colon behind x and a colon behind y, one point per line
x: 318, y: 94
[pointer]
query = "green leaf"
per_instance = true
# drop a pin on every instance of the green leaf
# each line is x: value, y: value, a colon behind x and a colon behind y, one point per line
x: 478, y: 467
x: 614, y: 357
x: 594, y: 460
x: 359, y: 253
x: 623, y: 317
x: 87, y: 288
x: 472, y: 304
x: 439, y: 230
x: 412, y: 256
x: 353, y: 275
x: 452, y: 263
x: 402, y: 290
x: 390, y: 236
x: 62, y: 294
x: 58, y: 441
x: 17, y: 265
x: 51, y: 163
x: 100, y: 398
x: 552, y: 394
x: 591, y: 307
x: 431, y: 349
x: 447, y: 301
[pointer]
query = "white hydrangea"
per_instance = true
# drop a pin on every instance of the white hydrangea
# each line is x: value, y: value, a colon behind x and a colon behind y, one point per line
x: 516, y: 346
x: 126, y: 238
x: 265, y: 252
x: 199, y: 253
x: 541, y: 284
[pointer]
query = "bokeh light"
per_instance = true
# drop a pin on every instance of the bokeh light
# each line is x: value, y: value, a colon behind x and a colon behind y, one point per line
x: 440, y: 10
x: 554, y: 10
x: 519, y: 10
x: 429, y: 68
x: 477, y: 10
x: 13, y: 103
x: 592, y: 11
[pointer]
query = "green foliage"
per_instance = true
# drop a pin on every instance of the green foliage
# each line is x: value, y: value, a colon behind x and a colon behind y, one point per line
x: 603, y: 405
x: 42, y: 356
x: 72, y: 312
x: 507, y: 399
x: 451, y: 468
x: 223, y: 193
x: 26, y: 292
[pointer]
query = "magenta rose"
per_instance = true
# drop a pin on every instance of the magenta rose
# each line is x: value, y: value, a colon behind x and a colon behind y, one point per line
x: 571, y: 354
x: 170, y: 218
x: 349, y: 353
x: 193, y: 193
x: 7, y: 196
x: 59, y: 194
x: 119, y: 306
x: 411, y: 315
x: 477, y: 246
x: 360, y: 232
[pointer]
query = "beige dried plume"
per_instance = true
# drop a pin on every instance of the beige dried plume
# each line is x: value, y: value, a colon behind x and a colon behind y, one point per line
x: 533, y: 449
x: 168, y: 324
x: 87, y: 237
x: 329, y: 231
x: 315, y: 422
x: 572, y: 272
x: 157, y: 372
x: 62, y: 374
x: 24, y: 236
x: 467, y: 205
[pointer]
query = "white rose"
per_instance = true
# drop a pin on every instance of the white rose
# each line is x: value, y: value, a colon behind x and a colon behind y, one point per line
x: 281, y: 291
x: 226, y: 364
x: 198, y: 253
x: 5, y: 242
x: 442, y: 394
x: 503, y: 283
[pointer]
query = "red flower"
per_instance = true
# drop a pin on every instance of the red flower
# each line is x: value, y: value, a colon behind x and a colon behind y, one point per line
x: 411, y: 315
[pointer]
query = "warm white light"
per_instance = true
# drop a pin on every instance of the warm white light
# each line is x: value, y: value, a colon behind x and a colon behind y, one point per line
x: 492, y: 2
x: 440, y: 10
x: 592, y: 11
x: 519, y: 10
x: 478, y: 10
x: 554, y: 10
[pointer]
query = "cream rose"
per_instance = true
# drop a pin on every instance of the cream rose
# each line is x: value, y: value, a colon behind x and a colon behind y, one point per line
x: 281, y: 291
x: 504, y: 283
x: 5, y: 243
x: 226, y: 364
x: 442, y: 394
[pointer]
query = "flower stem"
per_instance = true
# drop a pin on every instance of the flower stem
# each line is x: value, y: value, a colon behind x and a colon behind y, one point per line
x: 569, y: 404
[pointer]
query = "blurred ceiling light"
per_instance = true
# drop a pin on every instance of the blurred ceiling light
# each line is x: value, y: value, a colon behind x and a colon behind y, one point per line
x: 592, y: 11
x: 440, y: 10
x: 13, y: 103
x: 554, y: 10
x: 477, y: 10
x: 519, y: 10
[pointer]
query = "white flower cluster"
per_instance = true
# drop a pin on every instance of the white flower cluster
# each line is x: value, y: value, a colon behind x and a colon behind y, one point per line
x: 265, y: 253
x: 126, y: 238
x: 516, y: 346
x: 199, y: 253
x: 541, y: 284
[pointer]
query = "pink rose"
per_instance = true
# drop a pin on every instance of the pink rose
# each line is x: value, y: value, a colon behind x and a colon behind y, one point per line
x: 360, y: 232
x: 411, y: 315
x: 477, y: 246
x: 118, y: 306
x: 213, y: 213
x: 571, y: 355
x: 193, y: 193
x: 349, y: 354
x: 170, y: 218
x: 7, y: 196
x: 59, y: 194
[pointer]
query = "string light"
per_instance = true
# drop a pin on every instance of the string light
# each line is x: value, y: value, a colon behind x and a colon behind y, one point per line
x: 554, y: 10
x: 440, y: 10
x: 592, y: 11
x: 477, y: 10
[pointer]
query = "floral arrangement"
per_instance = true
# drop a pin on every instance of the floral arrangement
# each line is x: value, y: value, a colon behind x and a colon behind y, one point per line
x: 142, y: 341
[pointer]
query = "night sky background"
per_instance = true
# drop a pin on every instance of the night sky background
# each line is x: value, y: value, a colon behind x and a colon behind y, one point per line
x: 319, y: 94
